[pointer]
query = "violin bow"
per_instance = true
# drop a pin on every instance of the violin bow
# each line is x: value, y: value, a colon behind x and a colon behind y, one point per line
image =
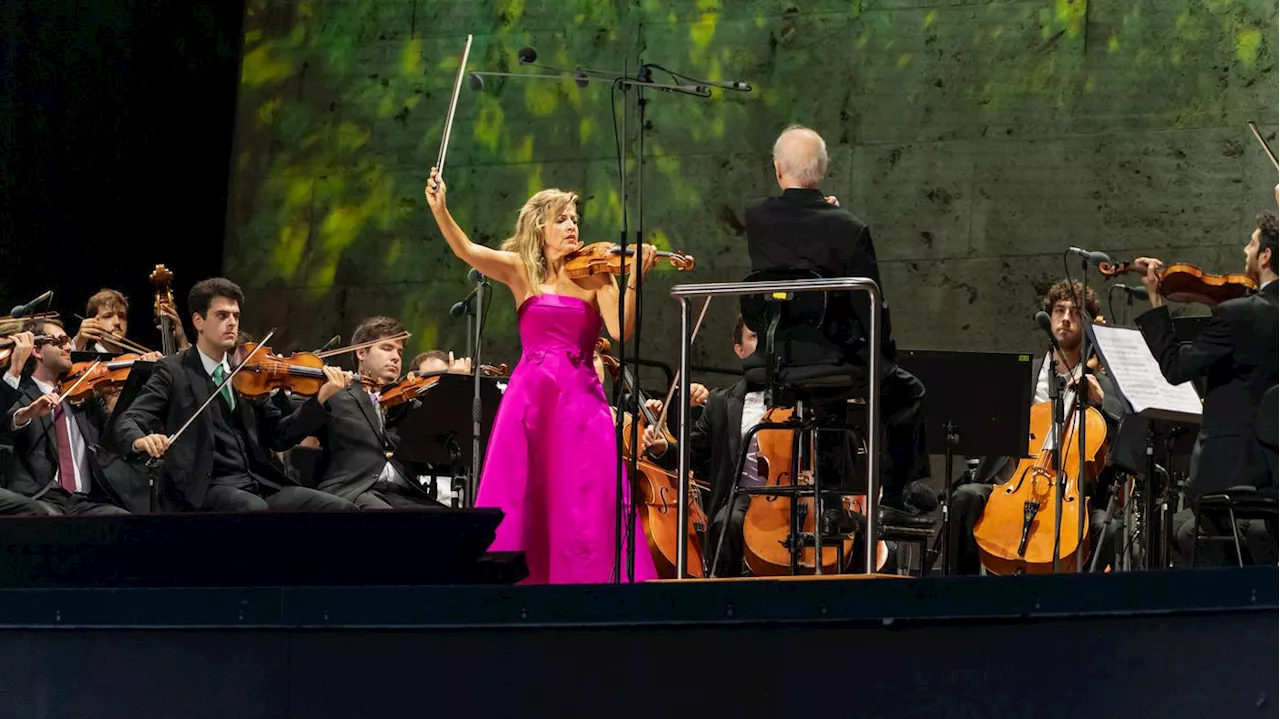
x: 123, y: 341
x: 453, y: 106
x: 364, y: 345
x: 217, y: 390
x: 1265, y: 147
x: 666, y: 404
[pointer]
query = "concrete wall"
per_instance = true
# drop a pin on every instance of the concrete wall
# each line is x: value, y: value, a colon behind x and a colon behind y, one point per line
x: 978, y: 139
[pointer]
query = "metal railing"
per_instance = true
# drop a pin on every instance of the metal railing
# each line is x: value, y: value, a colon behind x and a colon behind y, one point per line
x: 683, y: 293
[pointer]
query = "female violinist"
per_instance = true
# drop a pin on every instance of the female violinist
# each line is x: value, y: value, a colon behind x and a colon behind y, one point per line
x: 552, y: 459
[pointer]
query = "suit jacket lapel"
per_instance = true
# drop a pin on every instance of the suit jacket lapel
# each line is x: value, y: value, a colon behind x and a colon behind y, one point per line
x: 365, y: 403
x: 45, y: 435
x: 196, y: 375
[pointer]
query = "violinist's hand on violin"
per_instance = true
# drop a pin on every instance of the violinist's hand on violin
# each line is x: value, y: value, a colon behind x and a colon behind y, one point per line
x: 338, y: 379
x: 43, y: 405
x: 24, y: 343
x: 1151, y: 280
x: 653, y: 442
x: 644, y: 260
x: 151, y: 357
x: 461, y: 365
x: 435, y: 191
x: 653, y: 405
x: 154, y: 445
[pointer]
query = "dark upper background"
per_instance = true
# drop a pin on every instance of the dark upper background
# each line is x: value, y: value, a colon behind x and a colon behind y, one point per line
x: 115, y: 132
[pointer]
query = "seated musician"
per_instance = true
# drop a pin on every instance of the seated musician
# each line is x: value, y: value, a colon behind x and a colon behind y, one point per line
x: 441, y: 361
x: 969, y: 500
x: 356, y: 436
x: 806, y: 230
x: 106, y: 314
x: 1236, y: 355
x: 224, y: 460
x: 55, y: 444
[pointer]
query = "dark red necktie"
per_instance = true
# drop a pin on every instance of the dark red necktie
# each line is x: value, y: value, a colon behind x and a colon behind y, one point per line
x: 66, y: 465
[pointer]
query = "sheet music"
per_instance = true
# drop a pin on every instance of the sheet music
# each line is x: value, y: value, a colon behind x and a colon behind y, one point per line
x: 1137, y: 373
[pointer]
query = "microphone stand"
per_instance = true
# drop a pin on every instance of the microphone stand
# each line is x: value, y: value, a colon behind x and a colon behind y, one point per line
x: 1056, y: 388
x: 480, y: 311
x: 1082, y: 409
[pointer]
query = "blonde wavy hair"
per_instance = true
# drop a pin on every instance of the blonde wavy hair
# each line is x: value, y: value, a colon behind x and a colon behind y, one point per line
x: 527, y: 242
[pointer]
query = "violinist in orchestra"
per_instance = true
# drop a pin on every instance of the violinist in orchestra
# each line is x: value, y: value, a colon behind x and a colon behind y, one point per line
x: 968, y: 500
x: 1236, y: 356
x: 804, y: 229
x: 225, y: 460
x: 106, y: 315
x: 356, y: 435
x: 552, y: 460
x: 58, y: 462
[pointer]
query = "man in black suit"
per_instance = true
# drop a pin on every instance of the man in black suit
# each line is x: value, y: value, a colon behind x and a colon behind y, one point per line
x: 225, y: 460
x: 1236, y: 356
x: 58, y: 461
x: 354, y: 433
x: 803, y: 229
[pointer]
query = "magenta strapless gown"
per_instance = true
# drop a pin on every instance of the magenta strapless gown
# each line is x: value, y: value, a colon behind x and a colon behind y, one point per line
x: 552, y: 460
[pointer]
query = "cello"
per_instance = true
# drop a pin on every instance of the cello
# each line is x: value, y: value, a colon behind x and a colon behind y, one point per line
x: 766, y: 530
x: 656, y: 490
x: 1015, y: 534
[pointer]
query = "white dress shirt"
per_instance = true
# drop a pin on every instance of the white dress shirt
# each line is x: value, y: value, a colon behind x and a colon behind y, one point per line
x: 752, y: 411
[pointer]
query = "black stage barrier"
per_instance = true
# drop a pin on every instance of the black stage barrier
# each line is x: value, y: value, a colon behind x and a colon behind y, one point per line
x: 1193, y: 643
x: 401, y: 547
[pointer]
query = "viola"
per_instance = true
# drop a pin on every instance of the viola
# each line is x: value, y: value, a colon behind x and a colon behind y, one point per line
x: 162, y: 280
x: 1015, y: 533
x: 301, y: 373
x: 599, y: 258
x: 1188, y: 283
x: 86, y: 379
x: 766, y: 530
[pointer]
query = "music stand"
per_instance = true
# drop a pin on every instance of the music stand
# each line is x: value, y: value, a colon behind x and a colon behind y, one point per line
x: 978, y: 404
x: 438, y: 423
x: 1150, y: 404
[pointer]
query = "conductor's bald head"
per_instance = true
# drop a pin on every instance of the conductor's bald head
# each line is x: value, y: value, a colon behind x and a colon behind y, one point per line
x: 799, y: 158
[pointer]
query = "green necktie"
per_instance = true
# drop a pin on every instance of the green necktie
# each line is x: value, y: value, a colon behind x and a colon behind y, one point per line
x: 220, y: 374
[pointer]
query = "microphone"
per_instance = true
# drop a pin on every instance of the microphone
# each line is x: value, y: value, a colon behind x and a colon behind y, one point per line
x: 729, y: 85
x: 1094, y: 258
x: 474, y: 276
x: 30, y: 307
x: 1045, y: 322
x: 464, y: 307
x: 1138, y: 293
x: 527, y: 55
x: 475, y: 82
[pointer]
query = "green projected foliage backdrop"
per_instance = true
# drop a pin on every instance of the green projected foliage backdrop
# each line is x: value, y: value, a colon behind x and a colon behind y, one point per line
x: 978, y: 139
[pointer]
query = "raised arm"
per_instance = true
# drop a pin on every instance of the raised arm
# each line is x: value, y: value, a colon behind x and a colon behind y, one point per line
x: 502, y: 266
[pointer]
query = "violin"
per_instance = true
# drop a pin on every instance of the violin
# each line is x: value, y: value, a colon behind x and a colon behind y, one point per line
x: 301, y: 373
x: 599, y: 258
x: 6, y: 347
x: 656, y: 490
x: 162, y: 279
x: 1015, y: 532
x: 1188, y: 283
x: 766, y: 530
x: 413, y: 385
x: 86, y: 379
